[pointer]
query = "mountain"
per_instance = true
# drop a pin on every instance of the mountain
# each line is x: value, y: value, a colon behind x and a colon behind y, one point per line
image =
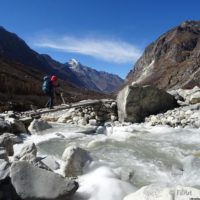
x: 14, y: 48
x: 22, y: 71
x: 20, y: 86
x: 95, y: 80
x: 172, y: 61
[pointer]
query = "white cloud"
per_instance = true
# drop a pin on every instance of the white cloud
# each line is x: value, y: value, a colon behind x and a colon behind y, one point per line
x: 108, y: 50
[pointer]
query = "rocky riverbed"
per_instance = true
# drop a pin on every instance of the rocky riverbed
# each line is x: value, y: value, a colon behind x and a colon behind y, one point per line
x: 85, y: 153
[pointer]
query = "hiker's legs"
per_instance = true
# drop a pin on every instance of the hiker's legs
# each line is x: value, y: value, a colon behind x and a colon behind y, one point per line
x: 50, y: 100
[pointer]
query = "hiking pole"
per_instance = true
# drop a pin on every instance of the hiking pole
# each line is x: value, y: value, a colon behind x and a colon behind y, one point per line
x: 63, y: 100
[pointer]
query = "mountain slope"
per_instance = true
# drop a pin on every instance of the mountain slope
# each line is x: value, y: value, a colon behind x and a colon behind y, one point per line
x: 172, y: 61
x: 14, y: 48
x: 95, y: 80
x: 20, y: 86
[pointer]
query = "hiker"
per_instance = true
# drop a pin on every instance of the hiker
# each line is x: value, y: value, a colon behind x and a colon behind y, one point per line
x: 47, y: 88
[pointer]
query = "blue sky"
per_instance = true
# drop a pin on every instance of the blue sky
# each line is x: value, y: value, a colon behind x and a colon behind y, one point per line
x: 108, y: 35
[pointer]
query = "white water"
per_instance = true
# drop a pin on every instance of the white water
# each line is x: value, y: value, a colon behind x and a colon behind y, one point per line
x: 128, y: 157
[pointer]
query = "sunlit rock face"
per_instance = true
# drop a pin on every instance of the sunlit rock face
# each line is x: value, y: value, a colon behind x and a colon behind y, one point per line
x: 172, y: 61
x: 136, y: 102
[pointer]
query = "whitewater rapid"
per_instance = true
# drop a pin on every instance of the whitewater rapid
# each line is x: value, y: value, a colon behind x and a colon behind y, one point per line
x: 126, y: 158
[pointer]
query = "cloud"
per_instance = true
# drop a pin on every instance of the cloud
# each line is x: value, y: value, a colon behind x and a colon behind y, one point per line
x: 108, y: 50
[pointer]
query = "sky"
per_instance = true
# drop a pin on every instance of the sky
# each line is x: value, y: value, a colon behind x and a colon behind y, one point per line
x: 107, y: 35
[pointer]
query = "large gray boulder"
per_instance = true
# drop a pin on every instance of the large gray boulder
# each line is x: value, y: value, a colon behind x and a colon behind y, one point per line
x: 7, y: 142
x: 16, y: 125
x: 33, y: 183
x: 38, y: 125
x: 74, y: 159
x: 27, y: 153
x: 136, y: 102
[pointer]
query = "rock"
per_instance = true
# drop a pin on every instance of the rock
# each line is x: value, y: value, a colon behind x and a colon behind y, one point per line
x: 16, y: 125
x: 4, y: 170
x: 15, y: 138
x: 40, y: 164
x: 92, y: 115
x: 34, y: 183
x: 7, y: 142
x: 3, y: 154
x: 176, y: 95
x: 195, y: 98
x: 74, y: 159
x: 101, y: 130
x: 113, y: 105
x: 93, y: 122
x: 66, y: 116
x: 38, y: 125
x: 51, y: 162
x: 136, y: 102
x: 26, y: 121
x: 154, y: 192
x: 82, y: 122
x: 171, y: 61
x: 4, y: 126
x: 27, y: 153
x: 113, y: 118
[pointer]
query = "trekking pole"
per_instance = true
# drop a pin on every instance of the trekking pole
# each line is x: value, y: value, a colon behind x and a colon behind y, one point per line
x: 63, y: 100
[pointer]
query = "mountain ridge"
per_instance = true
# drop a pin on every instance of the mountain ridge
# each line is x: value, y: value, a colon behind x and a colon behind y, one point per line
x: 94, y: 79
x: 14, y: 48
x: 172, y: 61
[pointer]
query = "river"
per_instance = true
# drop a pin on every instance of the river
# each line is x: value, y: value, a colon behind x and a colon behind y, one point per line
x: 125, y: 158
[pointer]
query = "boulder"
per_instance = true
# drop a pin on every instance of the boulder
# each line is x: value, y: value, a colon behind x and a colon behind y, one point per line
x: 27, y: 153
x: 82, y: 121
x: 38, y: 125
x: 16, y: 125
x: 136, y: 102
x: 4, y: 170
x: 74, y: 159
x: 66, y: 116
x: 4, y: 126
x: 26, y: 121
x: 7, y: 142
x: 33, y: 183
x: 93, y: 122
x: 195, y: 98
x: 101, y: 130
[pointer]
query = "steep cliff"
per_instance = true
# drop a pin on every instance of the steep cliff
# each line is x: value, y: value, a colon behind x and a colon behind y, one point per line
x: 172, y: 61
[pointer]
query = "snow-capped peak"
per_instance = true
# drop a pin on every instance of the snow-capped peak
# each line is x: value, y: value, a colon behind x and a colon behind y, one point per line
x: 73, y: 62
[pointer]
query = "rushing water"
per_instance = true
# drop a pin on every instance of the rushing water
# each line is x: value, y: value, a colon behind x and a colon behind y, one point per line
x: 128, y: 157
